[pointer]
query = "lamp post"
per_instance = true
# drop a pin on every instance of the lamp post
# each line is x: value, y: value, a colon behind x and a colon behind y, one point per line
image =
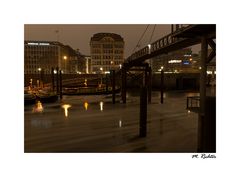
x: 40, y: 77
x: 65, y: 67
x: 101, y: 69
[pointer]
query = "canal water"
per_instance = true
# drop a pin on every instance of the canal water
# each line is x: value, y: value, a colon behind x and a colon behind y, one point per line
x: 93, y: 124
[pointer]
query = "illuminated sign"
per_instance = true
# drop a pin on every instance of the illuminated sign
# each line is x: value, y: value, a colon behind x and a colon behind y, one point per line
x: 38, y: 43
x: 186, y: 62
x: 175, y: 61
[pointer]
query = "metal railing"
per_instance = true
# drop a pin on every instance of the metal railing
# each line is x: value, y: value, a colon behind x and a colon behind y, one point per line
x: 159, y: 44
x: 193, y: 102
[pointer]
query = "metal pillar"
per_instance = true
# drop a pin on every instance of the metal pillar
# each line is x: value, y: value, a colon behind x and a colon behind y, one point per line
x: 42, y: 78
x: 60, y: 80
x: 149, y: 85
x: 162, y: 85
x: 113, y: 86
x: 203, y: 73
x: 53, y: 84
x: 57, y: 80
x: 124, y: 83
x: 143, y: 112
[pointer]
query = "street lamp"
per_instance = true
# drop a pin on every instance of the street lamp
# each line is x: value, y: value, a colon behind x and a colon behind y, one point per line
x: 101, y: 69
x: 65, y: 59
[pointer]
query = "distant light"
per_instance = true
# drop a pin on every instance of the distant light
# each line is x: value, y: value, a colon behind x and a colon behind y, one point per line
x: 189, y: 111
x: 64, y: 57
x: 209, y: 72
x: 187, y: 55
x: 162, y: 67
x: 149, y: 48
x: 111, y: 62
x: 120, y: 66
x: 190, y: 59
x: 38, y: 43
x: 39, y: 69
x: 175, y: 61
x: 55, y: 71
x: 101, y: 68
x: 200, y: 67
x: 186, y: 62
x: 107, y: 72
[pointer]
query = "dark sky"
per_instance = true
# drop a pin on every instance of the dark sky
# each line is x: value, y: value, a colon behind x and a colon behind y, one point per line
x: 78, y: 36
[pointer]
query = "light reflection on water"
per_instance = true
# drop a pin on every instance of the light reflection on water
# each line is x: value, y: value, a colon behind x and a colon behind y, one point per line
x: 38, y: 108
x: 65, y: 107
x: 101, y: 106
x: 86, y: 105
x: 120, y: 123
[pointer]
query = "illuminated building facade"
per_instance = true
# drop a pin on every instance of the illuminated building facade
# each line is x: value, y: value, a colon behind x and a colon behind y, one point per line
x: 178, y: 61
x: 107, y: 52
x: 43, y: 55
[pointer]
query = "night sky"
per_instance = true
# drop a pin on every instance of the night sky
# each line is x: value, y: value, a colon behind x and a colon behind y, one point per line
x: 78, y: 36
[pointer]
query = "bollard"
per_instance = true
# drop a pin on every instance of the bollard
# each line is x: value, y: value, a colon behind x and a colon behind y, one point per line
x: 53, y: 84
x: 143, y: 112
x: 162, y: 85
x: 113, y: 86
x: 60, y: 80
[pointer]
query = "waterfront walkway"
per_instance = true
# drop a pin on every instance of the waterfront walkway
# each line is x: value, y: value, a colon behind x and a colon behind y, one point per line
x: 94, y: 124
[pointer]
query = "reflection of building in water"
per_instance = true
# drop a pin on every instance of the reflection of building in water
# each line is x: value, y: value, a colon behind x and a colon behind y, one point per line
x: 41, y: 123
x: 65, y: 107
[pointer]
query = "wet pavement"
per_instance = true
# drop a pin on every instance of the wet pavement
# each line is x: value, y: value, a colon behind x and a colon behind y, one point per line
x: 94, y: 124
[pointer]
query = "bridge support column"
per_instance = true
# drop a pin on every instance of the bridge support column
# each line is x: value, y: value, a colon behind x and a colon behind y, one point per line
x: 143, y: 112
x: 149, y: 85
x: 113, y: 86
x: 203, y: 72
x: 124, y: 83
x: 60, y: 80
x: 53, y: 83
x: 162, y: 85
x: 57, y: 78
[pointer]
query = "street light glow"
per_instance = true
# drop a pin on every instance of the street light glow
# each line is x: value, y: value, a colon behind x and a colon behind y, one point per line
x: 39, y: 69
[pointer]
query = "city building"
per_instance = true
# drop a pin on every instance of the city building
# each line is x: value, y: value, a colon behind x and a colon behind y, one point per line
x: 43, y: 55
x: 174, y: 62
x: 107, y: 52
